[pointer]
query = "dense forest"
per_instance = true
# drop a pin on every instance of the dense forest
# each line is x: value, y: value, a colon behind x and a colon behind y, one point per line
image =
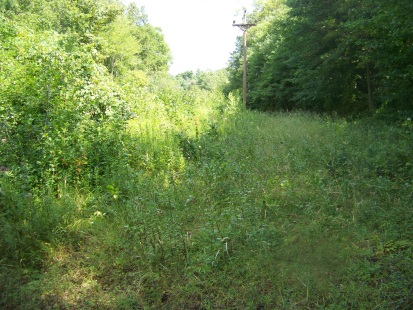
x: 347, y: 57
x: 124, y: 187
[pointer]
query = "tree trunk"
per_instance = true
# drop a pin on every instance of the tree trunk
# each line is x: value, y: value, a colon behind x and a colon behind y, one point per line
x: 369, y: 88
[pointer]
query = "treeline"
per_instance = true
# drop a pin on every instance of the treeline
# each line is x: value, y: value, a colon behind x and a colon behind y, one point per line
x: 348, y: 57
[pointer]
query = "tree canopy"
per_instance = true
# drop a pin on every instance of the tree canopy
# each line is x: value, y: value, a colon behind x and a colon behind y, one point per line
x: 65, y: 67
x: 327, y: 55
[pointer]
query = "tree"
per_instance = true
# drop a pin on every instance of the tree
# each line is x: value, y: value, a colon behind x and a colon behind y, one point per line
x: 329, y: 55
x: 119, y: 47
x: 65, y: 73
x: 206, y: 80
x: 154, y: 54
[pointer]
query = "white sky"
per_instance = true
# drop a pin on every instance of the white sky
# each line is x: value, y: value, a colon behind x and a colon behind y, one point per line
x: 198, y: 32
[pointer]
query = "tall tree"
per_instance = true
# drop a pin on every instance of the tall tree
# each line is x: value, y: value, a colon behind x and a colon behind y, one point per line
x: 329, y: 55
x: 154, y: 53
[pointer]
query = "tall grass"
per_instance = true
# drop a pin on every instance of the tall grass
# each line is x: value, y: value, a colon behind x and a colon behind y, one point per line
x: 224, y: 211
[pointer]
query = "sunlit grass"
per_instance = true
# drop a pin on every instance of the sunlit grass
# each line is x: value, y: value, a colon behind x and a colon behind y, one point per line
x: 254, y: 211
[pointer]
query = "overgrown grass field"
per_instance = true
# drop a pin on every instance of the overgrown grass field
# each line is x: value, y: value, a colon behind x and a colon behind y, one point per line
x: 241, y: 210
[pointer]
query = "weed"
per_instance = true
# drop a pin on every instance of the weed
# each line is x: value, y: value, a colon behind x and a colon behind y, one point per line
x: 257, y: 211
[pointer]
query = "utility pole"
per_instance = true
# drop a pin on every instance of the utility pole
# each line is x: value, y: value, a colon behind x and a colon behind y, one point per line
x: 244, y: 27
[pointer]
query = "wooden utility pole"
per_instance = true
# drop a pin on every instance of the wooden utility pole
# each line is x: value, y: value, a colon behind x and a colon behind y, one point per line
x: 244, y: 27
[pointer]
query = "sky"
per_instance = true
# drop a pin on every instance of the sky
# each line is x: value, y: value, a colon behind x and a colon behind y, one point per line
x: 198, y: 32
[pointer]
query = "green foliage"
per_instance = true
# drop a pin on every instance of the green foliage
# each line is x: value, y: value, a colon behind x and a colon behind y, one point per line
x: 207, y: 80
x: 129, y: 44
x: 82, y: 16
x: 123, y: 187
x: 279, y: 210
x: 329, y: 56
x: 120, y: 47
x: 63, y: 115
x: 57, y: 107
x: 155, y: 53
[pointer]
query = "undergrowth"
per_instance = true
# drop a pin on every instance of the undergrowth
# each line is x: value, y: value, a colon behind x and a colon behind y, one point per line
x: 238, y: 210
